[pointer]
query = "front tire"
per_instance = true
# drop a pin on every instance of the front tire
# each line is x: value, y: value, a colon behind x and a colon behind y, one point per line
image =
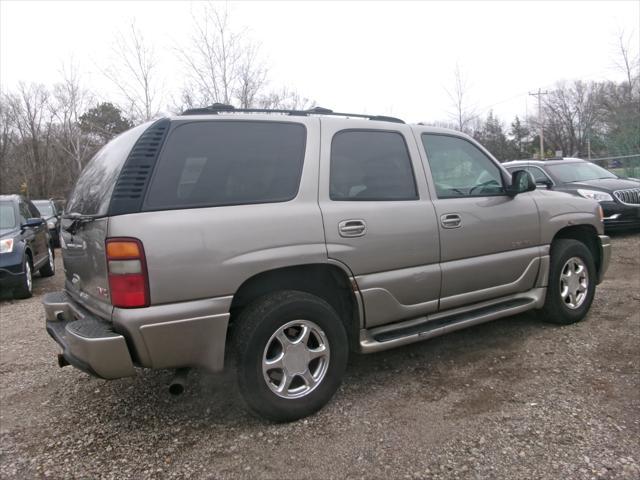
x: 291, y: 352
x: 25, y: 290
x: 572, y: 282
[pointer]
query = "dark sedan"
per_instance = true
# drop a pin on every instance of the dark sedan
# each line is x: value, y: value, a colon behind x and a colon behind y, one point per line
x: 25, y: 246
x: 619, y: 197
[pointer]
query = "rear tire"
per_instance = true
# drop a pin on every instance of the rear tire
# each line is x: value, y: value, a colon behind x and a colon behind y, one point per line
x: 49, y: 268
x: 25, y: 290
x: 572, y: 283
x: 291, y: 351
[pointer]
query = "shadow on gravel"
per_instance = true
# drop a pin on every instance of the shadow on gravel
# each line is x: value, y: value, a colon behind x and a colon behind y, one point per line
x: 143, y: 402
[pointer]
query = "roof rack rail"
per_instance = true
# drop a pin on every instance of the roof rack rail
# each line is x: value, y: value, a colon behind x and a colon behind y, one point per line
x: 217, y: 108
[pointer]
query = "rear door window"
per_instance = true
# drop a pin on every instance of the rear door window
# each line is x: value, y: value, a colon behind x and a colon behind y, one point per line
x: 370, y: 165
x: 215, y: 163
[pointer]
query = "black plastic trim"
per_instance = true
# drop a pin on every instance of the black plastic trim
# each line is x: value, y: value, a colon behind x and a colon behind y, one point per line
x: 134, y: 178
x: 222, y: 108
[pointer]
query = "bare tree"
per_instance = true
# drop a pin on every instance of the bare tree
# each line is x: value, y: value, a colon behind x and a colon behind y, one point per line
x: 628, y: 61
x: 9, y: 180
x: 463, y: 113
x: 223, y: 66
x: 134, y: 71
x: 29, y: 116
x: 572, y: 116
x: 70, y: 100
x: 286, y: 99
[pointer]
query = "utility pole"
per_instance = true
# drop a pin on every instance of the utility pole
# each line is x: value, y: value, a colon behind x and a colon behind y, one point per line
x: 539, y: 95
x: 589, y: 148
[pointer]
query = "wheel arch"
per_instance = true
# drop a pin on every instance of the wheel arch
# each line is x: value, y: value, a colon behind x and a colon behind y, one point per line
x: 586, y: 234
x: 331, y: 282
x: 29, y: 254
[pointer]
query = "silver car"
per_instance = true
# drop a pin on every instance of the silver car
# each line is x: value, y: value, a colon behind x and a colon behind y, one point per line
x: 283, y: 241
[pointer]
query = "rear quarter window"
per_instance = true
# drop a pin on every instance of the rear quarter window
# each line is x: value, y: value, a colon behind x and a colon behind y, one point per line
x: 216, y: 163
x: 92, y: 192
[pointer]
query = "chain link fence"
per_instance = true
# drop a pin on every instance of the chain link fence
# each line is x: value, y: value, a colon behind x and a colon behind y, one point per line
x: 623, y: 166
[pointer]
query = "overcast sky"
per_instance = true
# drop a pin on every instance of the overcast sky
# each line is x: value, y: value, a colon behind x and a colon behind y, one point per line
x: 393, y: 58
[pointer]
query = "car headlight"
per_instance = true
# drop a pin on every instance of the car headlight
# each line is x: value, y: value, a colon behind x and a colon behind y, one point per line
x: 595, y: 195
x: 51, y: 225
x: 6, y: 245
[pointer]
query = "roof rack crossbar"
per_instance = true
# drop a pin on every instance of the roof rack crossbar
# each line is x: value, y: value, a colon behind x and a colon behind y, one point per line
x: 217, y: 108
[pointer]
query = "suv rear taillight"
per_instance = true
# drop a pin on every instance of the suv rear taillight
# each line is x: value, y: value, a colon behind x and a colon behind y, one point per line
x: 128, y: 279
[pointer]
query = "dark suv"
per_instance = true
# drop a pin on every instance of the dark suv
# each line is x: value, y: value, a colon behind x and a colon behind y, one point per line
x: 49, y: 213
x: 25, y: 245
x: 618, y: 197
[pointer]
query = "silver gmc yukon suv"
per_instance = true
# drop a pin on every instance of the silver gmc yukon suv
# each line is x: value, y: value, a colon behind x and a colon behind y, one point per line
x: 282, y: 241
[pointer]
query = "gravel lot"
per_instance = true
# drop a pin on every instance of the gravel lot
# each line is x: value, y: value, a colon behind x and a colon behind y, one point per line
x: 511, y: 399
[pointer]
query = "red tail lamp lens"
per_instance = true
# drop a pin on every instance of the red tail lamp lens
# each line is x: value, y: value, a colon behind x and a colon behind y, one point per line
x: 128, y: 278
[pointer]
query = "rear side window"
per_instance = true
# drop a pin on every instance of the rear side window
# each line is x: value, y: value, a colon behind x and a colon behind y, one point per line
x: 370, y: 165
x: 219, y: 163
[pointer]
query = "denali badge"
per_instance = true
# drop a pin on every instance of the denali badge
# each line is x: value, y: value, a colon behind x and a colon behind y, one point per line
x: 103, y: 291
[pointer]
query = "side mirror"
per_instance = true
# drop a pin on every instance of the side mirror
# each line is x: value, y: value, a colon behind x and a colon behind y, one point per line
x: 521, y: 182
x: 32, y: 223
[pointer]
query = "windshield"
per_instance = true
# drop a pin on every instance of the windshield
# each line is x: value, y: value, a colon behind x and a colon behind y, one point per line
x: 7, y: 215
x: 45, y: 208
x: 578, y: 172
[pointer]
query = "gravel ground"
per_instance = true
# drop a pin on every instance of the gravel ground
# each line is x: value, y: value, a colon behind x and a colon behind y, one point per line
x: 514, y: 398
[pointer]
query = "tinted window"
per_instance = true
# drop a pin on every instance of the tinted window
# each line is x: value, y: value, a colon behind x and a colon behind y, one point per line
x: 371, y: 165
x: 459, y: 168
x: 33, y: 211
x: 24, y: 212
x: 7, y: 215
x: 92, y: 192
x: 45, y: 208
x: 228, y: 163
x: 578, y: 172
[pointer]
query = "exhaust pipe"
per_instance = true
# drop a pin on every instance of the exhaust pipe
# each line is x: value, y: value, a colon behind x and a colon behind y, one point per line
x: 176, y: 386
x: 62, y: 362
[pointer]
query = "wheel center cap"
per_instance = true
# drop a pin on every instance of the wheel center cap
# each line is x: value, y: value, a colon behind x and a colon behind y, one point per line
x: 574, y: 283
x: 296, y: 359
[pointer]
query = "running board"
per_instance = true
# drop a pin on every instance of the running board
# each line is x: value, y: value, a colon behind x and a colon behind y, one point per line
x: 418, y: 329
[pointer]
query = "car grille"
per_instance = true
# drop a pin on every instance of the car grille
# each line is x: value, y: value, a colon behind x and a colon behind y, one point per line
x: 630, y: 196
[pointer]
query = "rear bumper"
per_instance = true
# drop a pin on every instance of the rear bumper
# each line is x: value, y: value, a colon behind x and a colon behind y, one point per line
x: 87, y: 342
x: 188, y: 334
x: 605, y: 256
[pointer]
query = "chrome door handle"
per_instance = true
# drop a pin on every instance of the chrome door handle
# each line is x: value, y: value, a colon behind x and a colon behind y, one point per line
x: 451, y: 220
x: 352, y: 228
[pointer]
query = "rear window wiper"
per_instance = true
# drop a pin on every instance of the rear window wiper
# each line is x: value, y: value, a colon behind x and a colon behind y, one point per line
x: 78, y: 219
